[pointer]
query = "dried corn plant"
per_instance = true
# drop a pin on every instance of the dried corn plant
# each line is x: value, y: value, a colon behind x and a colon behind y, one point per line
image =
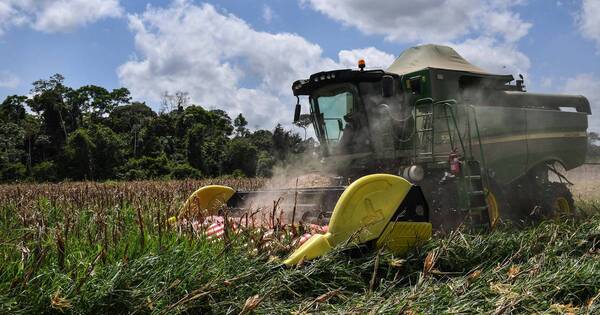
x: 109, y: 247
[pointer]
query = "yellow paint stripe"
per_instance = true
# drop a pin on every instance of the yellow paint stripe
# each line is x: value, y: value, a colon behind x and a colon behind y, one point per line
x: 534, y: 136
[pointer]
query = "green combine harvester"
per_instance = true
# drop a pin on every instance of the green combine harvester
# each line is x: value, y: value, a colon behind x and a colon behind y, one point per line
x: 432, y: 142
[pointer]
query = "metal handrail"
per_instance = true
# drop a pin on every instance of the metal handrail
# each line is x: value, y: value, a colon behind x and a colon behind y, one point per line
x: 447, y: 105
x: 483, y: 163
x: 421, y: 101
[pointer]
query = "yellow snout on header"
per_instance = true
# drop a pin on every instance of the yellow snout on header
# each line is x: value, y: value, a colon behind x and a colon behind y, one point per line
x: 366, y: 211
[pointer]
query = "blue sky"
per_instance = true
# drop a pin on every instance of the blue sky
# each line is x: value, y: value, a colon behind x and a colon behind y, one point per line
x: 243, y: 55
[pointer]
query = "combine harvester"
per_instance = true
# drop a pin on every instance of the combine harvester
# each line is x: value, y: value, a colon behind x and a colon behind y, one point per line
x: 431, y: 142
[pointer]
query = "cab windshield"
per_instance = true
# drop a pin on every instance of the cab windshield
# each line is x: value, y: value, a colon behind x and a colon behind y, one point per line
x: 331, y: 105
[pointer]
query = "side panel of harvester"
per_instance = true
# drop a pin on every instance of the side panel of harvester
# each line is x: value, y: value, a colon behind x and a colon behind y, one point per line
x: 565, y: 142
x: 518, y: 130
x: 516, y: 139
x: 502, y: 131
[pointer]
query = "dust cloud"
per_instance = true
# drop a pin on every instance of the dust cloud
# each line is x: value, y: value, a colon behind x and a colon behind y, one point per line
x: 278, y: 201
x: 586, y: 181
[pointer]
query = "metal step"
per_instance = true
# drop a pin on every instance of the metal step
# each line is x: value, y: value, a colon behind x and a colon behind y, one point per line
x: 476, y: 193
x: 482, y: 208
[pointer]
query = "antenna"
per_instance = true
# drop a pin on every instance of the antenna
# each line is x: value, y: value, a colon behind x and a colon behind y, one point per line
x: 521, y: 83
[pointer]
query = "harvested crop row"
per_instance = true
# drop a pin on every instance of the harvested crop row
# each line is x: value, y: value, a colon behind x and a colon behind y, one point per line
x: 116, y: 254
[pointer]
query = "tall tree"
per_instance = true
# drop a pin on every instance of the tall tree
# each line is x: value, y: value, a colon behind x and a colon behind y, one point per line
x: 129, y: 121
x: 174, y: 102
x: 241, y: 155
x: 240, y: 124
x: 31, y: 127
x: 593, y: 145
x: 13, y: 109
x: 48, y: 101
x: 195, y: 139
x: 285, y: 143
x: 304, y: 122
x: 106, y: 152
x: 78, y: 160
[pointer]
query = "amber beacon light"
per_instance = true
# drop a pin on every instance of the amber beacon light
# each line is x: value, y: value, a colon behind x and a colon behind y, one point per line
x: 361, y: 64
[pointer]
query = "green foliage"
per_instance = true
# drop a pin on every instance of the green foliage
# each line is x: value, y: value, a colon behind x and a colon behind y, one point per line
x: 593, y: 153
x: 45, y: 172
x: 92, y: 153
x: 106, y: 152
x: 242, y: 156
x: 262, y: 140
x: 13, y: 109
x: 145, y: 168
x: 238, y: 174
x: 11, y: 136
x: 78, y: 161
x: 195, y: 147
x: 285, y: 143
x: 58, y: 257
x: 13, y: 171
x: 96, y: 134
x: 304, y: 122
x: 264, y: 164
x: 240, y: 124
x: 184, y: 171
x: 126, y: 118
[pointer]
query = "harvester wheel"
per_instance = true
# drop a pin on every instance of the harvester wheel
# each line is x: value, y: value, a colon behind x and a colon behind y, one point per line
x: 493, y: 209
x: 557, y: 200
x: 498, y: 207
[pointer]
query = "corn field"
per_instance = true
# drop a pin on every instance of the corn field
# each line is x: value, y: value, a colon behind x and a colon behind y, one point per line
x: 103, y: 248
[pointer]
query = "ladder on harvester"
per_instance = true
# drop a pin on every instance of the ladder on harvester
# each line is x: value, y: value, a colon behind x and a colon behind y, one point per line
x: 476, y: 177
x: 476, y: 193
x: 473, y: 179
x: 426, y: 114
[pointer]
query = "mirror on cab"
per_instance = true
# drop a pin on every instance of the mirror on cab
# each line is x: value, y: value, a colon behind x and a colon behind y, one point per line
x: 297, y: 111
x: 387, y: 86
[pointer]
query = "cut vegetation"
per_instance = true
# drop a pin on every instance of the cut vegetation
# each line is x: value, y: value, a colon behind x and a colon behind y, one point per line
x: 105, y: 248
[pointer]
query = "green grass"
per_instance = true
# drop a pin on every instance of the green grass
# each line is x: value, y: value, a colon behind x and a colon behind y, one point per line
x: 95, y: 259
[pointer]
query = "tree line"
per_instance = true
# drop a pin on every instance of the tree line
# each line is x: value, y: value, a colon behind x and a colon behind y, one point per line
x: 91, y: 133
x: 593, y: 153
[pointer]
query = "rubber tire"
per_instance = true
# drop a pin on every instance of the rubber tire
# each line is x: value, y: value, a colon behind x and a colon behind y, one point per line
x: 504, y: 209
x: 550, y: 194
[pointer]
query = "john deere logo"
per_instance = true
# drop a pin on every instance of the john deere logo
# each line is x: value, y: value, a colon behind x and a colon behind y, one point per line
x: 373, y: 215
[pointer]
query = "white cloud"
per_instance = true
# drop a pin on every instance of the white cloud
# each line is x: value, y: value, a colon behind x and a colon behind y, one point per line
x: 56, y: 15
x: 401, y: 20
x: 8, y: 80
x: 425, y: 20
x: 589, y: 20
x: 374, y: 58
x: 9, y: 16
x: 222, y: 62
x: 65, y: 15
x: 485, y: 31
x: 267, y: 14
x: 587, y: 85
x: 493, y: 55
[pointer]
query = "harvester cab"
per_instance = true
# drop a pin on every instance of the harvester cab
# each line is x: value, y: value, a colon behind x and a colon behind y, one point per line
x: 344, y: 105
x: 431, y: 142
